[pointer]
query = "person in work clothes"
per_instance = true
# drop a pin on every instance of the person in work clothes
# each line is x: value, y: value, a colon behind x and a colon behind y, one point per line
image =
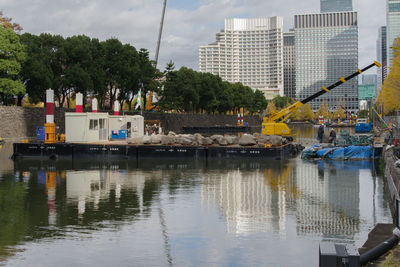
x: 320, y: 133
x: 332, y: 136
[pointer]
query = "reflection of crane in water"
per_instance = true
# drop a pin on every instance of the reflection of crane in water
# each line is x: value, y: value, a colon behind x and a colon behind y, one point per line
x: 160, y: 210
x: 164, y: 233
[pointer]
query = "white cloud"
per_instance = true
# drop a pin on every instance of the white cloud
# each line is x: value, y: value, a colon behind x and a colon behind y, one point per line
x: 137, y: 21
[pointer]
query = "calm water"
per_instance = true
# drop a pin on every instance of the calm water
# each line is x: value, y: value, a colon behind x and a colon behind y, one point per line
x: 184, y: 213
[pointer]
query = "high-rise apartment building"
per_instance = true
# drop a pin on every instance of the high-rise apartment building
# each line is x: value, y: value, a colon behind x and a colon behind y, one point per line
x: 249, y: 51
x: 382, y: 58
x: 326, y: 48
x: 289, y: 68
x: 393, y: 27
x: 336, y: 5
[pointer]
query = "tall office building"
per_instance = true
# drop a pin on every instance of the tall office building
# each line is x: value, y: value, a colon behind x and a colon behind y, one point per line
x: 393, y: 27
x: 249, y: 51
x: 368, y: 79
x: 382, y: 58
x: 289, y: 68
x: 336, y: 5
x: 326, y: 47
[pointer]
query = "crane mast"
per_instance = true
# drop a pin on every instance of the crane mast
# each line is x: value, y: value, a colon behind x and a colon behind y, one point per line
x: 160, y: 33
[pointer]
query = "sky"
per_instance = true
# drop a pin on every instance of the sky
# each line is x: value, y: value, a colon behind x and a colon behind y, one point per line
x: 188, y: 24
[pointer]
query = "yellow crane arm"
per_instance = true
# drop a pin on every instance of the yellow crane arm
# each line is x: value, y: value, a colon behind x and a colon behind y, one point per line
x: 274, y: 124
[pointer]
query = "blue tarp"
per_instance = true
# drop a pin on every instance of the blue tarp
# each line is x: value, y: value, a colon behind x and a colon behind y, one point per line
x: 363, y: 127
x: 339, y: 153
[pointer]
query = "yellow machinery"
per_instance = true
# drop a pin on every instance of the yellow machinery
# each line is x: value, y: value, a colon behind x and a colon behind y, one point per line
x: 149, y: 103
x: 50, y: 133
x: 274, y: 124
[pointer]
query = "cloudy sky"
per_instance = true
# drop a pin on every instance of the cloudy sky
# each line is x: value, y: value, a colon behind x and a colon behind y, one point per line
x: 188, y: 23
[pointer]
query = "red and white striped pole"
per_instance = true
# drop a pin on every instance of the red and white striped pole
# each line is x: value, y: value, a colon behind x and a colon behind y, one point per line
x: 49, y: 106
x: 94, y: 105
x: 79, y: 103
x: 49, y: 126
x: 242, y: 120
x: 238, y: 123
x: 116, y: 107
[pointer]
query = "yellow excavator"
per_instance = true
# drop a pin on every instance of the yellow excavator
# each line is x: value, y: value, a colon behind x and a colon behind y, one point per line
x: 275, y: 123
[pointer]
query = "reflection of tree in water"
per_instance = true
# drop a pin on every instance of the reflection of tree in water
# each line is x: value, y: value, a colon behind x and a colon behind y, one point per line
x: 14, y: 221
x: 45, y: 209
x: 25, y: 209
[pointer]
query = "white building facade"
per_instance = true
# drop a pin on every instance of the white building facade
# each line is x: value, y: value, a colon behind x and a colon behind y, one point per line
x: 249, y: 51
x: 326, y: 48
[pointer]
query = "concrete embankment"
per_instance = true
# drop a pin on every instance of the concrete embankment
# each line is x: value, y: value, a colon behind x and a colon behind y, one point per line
x: 21, y: 122
x: 392, y: 171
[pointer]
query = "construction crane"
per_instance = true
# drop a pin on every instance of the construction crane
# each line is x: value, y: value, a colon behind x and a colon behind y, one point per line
x: 274, y: 124
x: 149, y: 101
x: 160, y: 33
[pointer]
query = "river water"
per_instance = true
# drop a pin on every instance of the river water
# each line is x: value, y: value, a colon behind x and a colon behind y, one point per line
x: 184, y: 213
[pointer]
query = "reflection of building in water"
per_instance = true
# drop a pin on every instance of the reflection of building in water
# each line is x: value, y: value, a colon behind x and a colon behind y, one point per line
x: 250, y: 200
x: 93, y: 186
x: 330, y: 199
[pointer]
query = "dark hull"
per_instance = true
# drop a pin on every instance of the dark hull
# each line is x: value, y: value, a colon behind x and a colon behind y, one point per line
x: 133, y: 152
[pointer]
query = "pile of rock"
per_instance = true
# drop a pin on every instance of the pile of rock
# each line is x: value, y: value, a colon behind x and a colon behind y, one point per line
x: 198, y: 140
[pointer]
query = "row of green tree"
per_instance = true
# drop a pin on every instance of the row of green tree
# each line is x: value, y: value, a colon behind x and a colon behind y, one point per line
x: 189, y: 91
x: 108, y: 70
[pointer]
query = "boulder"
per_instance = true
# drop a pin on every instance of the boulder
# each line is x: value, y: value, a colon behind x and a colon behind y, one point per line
x: 232, y: 140
x: 206, y: 141
x: 183, y: 140
x: 146, y: 139
x: 167, y: 140
x: 135, y: 140
x: 219, y: 140
x: 198, y: 137
x: 156, y: 139
x: 247, y: 140
x: 274, y: 140
x: 171, y: 134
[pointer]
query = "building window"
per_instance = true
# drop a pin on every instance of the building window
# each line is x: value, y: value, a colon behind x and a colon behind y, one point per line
x: 93, y: 125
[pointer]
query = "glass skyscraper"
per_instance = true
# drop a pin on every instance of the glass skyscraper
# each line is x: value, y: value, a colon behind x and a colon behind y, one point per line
x: 289, y: 69
x: 326, y: 48
x: 381, y: 48
x: 393, y: 27
x: 336, y: 5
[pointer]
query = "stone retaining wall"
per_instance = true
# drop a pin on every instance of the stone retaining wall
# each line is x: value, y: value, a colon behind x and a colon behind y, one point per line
x: 20, y: 122
x: 392, y: 174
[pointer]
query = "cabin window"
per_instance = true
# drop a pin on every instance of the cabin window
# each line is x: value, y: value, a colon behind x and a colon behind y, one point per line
x: 102, y: 123
x: 93, y: 125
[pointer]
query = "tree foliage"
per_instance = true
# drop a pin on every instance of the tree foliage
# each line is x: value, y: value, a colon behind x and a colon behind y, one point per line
x: 304, y: 113
x: 110, y: 70
x: 323, y: 111
x: 390, y: 93
x: 107, y: 70
x: 6, y: 22
x: 12, y: 55
x: 186, y: 90
x: 339, y: 113
x: 282, y: 101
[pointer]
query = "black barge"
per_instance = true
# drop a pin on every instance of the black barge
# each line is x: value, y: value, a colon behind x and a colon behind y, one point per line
x: 110, y: 151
